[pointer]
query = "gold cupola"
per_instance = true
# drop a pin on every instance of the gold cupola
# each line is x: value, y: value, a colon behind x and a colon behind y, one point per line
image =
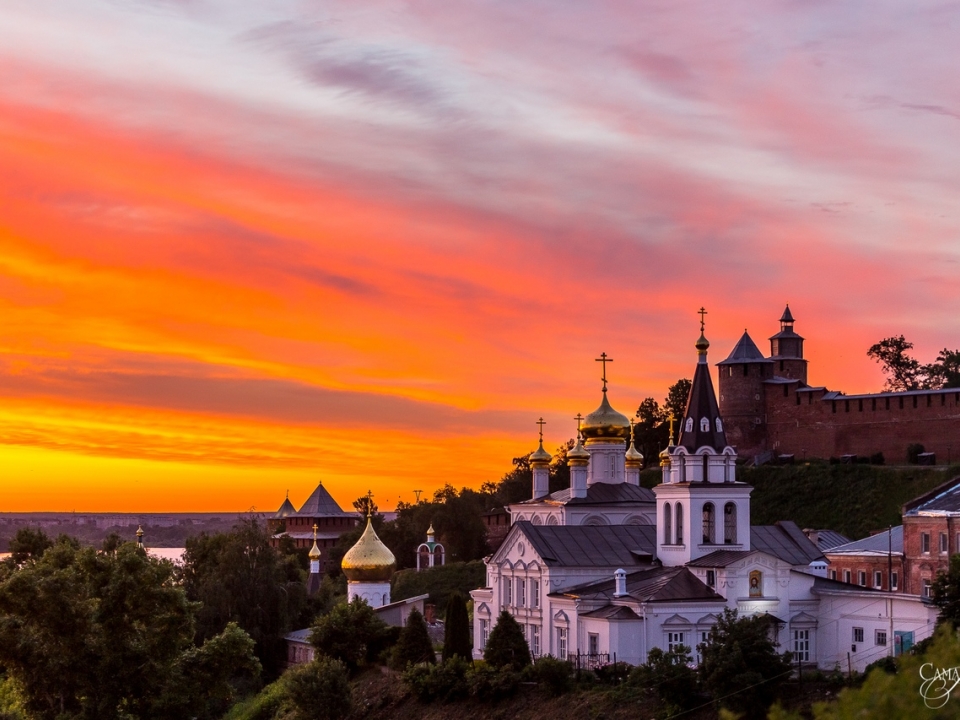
x: 540, y: 456
x: 369, y: 560
x: 633, y: 457
x: 578, y: 455
x: 314, y: 553
x: 605, y: 423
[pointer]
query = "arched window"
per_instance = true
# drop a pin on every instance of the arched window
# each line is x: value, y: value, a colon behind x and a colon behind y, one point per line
x: 689, y: 425
x: 730, y: 524
x: 679, y: 524
x: 667, y: 524
x: 709, y: 521
x: 719, y: 425
x: 704, y: 425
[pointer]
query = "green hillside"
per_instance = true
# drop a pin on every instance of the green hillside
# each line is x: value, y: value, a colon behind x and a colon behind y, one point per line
x: 851, y: 499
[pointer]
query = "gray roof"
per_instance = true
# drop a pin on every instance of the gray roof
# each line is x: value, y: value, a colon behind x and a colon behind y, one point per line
x: 827, y: 539
x: 777, y: 380
x: 320, y: 504
x: 286, y: 510
x: 787, y: 315
x: 784, y: 540
x: 881, y: 543
x: 602, y: 494
x: 702, y: 403
x: 591, y: 545
x: 943, y: 499
x: 612, y: 612
x: 654, y: 585
x: 745, y: 351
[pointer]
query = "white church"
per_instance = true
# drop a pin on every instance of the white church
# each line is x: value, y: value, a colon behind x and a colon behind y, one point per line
x: 607, y: 569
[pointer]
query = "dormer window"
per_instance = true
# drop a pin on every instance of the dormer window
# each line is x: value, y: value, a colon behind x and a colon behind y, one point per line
x: 704, y: 425
x: 719, y: 425
x: 689, y: 425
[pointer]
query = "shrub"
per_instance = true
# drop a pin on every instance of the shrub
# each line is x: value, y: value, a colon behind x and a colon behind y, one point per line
x: 263, y: 706
x: 319, y: 690
x: 506, y: 644
x: 445, y: 682
x: 414, y: 645
x: 439, y: 582
x: 492, y: 684
x: 456, y: 629
x: 887, y: 664
x: 351, y: 633
x: 556, y: 676
x: 877, y: 459
x: 669, y: 674
x: 613, y: 673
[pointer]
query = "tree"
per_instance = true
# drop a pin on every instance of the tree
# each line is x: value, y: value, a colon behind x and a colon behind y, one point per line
x: 740, y: 666
x: 946, y: 593
x: 351, y: 633
x: 902, y: 369
x: 506, y: 644
x: 365, y: 505
x: 670, y: 673
x: 944, y: 372
x: 677, y: 396
x: 456, y: 629
x: 414, y: 646
x: 28, y: 544
x: 319, y: 690
x: 88, y: 634
x: 238, y: 577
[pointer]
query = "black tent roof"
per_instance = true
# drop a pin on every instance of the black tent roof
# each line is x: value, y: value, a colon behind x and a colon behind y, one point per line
x: 745, y: 351
x: 702, y: 404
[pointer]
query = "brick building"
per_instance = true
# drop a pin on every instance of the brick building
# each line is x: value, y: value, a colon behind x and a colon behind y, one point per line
x: 320, y: 509
x: 769, y: 408
x: 907, y: 558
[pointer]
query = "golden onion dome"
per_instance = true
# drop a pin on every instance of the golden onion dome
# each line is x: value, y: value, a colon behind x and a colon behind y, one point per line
x: 369, y: 560
x: 605, y: 423
x: 665, y: 457
x: 314, y: 553
x: 540, y: 456
x: 578, y: 454
x: 633, y: 456
x: 702, y: 344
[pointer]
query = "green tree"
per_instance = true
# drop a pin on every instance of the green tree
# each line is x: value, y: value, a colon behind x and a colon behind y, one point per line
x: 456, y: 629
x: 414, y: 646
x: 669, y: 672
x: 88, y: 634
x: 902, y: 369
x: 506, y: 644
x: 677, y: 396
x: 27, y: 544
x: 944, y: 372
x: 740, y: 666
x: 319, y: 690
x: 946, y: 593
x: 238, y: 577
x: 351, y: 633
x: 364, y: 505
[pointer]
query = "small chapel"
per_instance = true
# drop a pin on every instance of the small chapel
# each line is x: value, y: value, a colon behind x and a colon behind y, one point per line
x: 608, y: 569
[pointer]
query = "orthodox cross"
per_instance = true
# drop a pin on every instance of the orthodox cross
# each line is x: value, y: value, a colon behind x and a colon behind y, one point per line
x: 578, y: 418
x: 672, y: 420
x: 632, y: 423
x: 604, y: 359
x: 541, y: 422
x: 369, y: 503
x: 701, y: 312
x: 314, y: 533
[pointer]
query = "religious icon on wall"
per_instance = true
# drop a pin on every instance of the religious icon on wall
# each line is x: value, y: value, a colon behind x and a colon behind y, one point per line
x: 756, y: 583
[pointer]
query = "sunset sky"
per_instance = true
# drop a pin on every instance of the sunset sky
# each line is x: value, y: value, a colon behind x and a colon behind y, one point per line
x: 245, y: 247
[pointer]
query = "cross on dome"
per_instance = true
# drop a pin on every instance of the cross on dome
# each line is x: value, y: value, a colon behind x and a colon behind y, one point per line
x: 541, y: 422
x: 604, y: 360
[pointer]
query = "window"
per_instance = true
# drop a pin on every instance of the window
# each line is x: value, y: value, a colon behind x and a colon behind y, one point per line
x: 521, y: 592
x: 801, y: 645
x: 894, y: 580
x: 507, y: 591
x: 719, y: 425
x: 562, y: 643
x: 833, y: 574
x: 858, y: 635
x: 925, y: 542
x: 484, y: 633
x: 862, y: 578
x: 688, y: 427
x: 679, y: 524
x: 711, y: 578
x: 881, y: 637
x: 708, y: 522
x: 877, y: 579
x: 667, y: 527
x: 730, y: 524
x: 535, y: 640
x: 593, y: 644
x: 674, y: 639
x: 926, y: 588
x: 943, y: 542
x: 534, y: 593
x: 846, y: 576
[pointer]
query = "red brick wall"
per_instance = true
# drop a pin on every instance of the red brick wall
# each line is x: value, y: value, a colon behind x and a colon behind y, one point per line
x: 866, y: 564
x: 741, y: 403
x: 920, y: 565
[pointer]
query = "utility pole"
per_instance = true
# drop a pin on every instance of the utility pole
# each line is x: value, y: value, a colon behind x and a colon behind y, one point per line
x: 890, y: 583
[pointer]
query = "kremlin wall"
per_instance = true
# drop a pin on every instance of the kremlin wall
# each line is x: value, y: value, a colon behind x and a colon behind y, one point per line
x: 770, y: 409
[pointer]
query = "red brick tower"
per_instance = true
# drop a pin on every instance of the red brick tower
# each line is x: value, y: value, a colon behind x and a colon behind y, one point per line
x: 786, y: 351
x: 741, y: 378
